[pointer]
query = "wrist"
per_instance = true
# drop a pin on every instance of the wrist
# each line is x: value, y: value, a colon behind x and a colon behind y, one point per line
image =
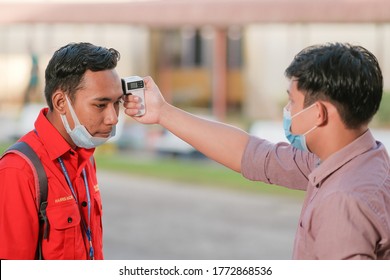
x: 164, y: 113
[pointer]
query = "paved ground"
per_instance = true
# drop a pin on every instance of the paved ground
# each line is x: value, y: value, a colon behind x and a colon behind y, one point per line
x: 151, y: 219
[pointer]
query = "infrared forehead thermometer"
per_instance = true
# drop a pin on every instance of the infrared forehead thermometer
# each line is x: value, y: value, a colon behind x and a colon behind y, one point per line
x: 135, y: 85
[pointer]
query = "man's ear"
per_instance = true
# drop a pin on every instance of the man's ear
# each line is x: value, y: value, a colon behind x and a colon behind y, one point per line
x: 59, y: 102
x: 322, y: 115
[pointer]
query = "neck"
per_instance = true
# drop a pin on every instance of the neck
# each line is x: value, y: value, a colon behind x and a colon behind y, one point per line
x: 341, y: 138
x: 56, y: 121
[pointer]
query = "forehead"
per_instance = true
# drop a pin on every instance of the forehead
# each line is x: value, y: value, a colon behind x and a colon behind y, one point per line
x: 292, y: 89
x: 100, y: 84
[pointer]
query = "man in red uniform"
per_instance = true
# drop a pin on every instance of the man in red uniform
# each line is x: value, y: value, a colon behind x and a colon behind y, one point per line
x: 83, y: 92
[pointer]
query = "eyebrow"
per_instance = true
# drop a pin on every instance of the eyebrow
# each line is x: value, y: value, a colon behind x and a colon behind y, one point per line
x: 106, y: 99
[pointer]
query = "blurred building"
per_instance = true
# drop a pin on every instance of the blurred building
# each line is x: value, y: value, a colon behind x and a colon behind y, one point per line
x: 223, y: 56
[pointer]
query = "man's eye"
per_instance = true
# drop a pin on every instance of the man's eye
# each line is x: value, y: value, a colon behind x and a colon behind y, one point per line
x: 100, y: 105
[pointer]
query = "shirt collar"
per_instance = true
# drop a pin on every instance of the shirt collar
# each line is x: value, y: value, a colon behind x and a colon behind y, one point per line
x: 55, y: 145
x: 362, y: 144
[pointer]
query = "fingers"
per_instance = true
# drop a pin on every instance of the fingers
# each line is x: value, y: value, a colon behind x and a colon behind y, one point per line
x: 131, y: 112
x: 129, y: 98
x: 148, y: 81
x: 132, y: 104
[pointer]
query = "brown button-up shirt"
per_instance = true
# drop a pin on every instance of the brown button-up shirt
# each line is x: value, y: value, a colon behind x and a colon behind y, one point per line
x: 346, y: 211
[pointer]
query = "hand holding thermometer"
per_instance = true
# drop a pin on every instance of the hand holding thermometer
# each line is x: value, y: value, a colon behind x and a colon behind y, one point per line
x: 134, y: 85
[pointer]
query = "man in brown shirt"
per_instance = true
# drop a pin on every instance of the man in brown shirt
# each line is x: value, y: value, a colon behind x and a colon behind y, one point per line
x: 334, y: 92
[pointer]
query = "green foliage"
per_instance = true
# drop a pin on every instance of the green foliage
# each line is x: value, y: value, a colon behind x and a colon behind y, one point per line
x: 382, y: 118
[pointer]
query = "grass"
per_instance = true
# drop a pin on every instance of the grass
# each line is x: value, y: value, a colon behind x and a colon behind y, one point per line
x: 201, y: 171
x: 4, y: 146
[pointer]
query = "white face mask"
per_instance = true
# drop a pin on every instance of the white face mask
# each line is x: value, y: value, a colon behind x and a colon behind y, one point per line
x: 80, y: 135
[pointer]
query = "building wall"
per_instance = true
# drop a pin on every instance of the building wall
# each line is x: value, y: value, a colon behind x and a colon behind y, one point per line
x: 268, y: 49
x: 271, y: 47
x: 16, y: 42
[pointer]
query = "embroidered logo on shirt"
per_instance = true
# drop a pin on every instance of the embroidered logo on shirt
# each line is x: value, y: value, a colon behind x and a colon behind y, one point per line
x: 62, y: 199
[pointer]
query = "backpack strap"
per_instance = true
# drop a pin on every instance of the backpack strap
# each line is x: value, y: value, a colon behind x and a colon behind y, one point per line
x: 25, y: 151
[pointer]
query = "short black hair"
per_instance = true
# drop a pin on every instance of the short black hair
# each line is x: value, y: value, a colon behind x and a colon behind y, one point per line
x: 348, y: 76
x: 68, y: 65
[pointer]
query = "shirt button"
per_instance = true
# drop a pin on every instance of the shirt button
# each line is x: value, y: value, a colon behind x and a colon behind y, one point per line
x: 84, y: 204
x: 70, y: 220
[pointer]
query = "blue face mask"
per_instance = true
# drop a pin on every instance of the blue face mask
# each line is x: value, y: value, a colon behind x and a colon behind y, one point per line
x: 296, y: 140
x: 80, y: 135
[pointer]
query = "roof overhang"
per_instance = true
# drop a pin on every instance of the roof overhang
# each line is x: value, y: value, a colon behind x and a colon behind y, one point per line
x: 173, y: 13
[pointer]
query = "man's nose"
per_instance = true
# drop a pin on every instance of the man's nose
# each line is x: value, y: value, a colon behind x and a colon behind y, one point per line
x: 112, y: 116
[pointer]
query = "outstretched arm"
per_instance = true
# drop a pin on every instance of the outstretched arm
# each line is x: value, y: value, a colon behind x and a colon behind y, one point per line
x: 218, y: 141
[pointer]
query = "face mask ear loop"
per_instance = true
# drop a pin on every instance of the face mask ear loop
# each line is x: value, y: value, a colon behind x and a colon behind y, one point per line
x: 304, y: 110
x: 72, y: 112
x: 66, y: 124
x: 310, y: 130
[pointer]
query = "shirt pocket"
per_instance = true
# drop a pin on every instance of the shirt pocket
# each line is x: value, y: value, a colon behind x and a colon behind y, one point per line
x: 65, y: 239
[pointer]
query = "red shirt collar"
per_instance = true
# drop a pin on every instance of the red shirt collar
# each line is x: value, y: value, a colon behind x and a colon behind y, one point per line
x: 55, y: 145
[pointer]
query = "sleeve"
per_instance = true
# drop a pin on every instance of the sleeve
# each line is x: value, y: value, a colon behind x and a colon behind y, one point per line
x: 279, y: 164
x: 343, y: 227
x: 19, y: 225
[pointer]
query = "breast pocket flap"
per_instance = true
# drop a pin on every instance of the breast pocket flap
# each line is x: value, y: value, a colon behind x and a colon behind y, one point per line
x: 64, y: 216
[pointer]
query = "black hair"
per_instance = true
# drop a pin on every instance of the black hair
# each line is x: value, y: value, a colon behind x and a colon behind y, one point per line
x: 68, y: 65
x: 345, y: 75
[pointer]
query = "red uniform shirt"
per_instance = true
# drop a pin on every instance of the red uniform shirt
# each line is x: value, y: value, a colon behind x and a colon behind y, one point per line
x: 19, y: 225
